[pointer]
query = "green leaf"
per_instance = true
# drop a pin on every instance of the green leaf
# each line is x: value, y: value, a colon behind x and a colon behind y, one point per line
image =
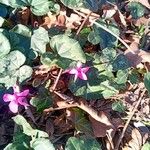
x: 3, y: 10
x: 122, y: 76
x: 81, y: 123
x: 73, y: 3
x: 137, y: 10
x: 27, y: 129
x: 94, y: 38
x: 121, y: 63
x: 4, y: 45
x: 49, y: 59
x: 22, y: 30
x: 13, y: 38
x: 67, y: 48
x: 82, y: 143
x: 41, y: 143
x: 147, y: 81
x: 42, y: 101
x: 108, y: 54
x: 134, y: 77
x: 118, y: 106
x: 101, y: 35
x: 93, y: 5
x: 39, y: 40
x: 20, y: 141
x: 146, y: 146
x: 11, y: 62
x: 109, y: 89
x: 11, y: 68
x: 38, y: 7
x: 24, y: 73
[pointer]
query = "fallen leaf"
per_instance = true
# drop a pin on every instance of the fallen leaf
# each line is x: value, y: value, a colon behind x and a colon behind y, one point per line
x: 49, y: 127
x: 99, y: 129
x: 136, y: 142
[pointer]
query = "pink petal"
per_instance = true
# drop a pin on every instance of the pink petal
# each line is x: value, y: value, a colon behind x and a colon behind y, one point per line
x: 73, y: 71
x: 82, y: 76
x: 84, y: 70
x: 16, y: 89
x: 22, y: 101
x: 75, y: 77
x: 13, y: 106
x: 79, y: 65
x: 23, y: 94
x: 9, y: 97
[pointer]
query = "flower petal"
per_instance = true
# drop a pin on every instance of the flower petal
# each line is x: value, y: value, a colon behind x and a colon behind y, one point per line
x: 84, y: 70
x: 79, y: 65
x: 13, y: 106
x: 23, y: 94
x: 9, y: 97
x: 73, y: 71
x: 82, y: 76
x: 16, y: 89
x: 22, y: 101
x: 75, y: 77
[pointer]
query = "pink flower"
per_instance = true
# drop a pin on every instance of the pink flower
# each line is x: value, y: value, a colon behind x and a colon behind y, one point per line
x: 79, y: 72
x: 16, y: 99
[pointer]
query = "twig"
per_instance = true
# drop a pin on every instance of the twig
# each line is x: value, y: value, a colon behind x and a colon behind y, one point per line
x: 62, y: 107
x: 81, y: 26
x: 106, y: 29
x: 57, y: 79
x: 128, y: 121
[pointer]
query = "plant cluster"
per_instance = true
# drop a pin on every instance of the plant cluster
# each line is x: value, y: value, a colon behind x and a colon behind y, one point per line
x: 74, y: 63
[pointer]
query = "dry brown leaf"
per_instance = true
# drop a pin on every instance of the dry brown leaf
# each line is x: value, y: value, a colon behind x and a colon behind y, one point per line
x: 119, y: 18
x: 134, y: 58
x: 141, y: 21
x: 82, y: 104
x: 109, y: 13
x: 145, y: 56
x: 23, y: 15
x: 61, y: 125
x: 73, y: 21
x: 136, y: 142
x: 99, y: 129
x: 49, y: 127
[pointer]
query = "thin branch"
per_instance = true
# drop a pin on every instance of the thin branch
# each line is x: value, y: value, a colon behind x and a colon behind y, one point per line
x: 128, y: 121
x: 57, y: 79
x: 81, y: 26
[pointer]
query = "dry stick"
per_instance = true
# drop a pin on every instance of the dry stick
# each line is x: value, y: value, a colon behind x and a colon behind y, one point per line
x: 85, y: 20
x: 106, y: 29
x: 57, y: 79
x: 128, y: 121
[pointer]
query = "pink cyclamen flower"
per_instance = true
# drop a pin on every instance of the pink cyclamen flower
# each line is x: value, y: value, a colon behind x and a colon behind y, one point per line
x: 79, y: 72
x: 16, y: 99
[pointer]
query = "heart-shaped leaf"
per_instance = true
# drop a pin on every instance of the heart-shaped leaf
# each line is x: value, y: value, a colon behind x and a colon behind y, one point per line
x: 67, y: 47
x: 39, y: 40
x: 4, y: 45
x: 137, y: 10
